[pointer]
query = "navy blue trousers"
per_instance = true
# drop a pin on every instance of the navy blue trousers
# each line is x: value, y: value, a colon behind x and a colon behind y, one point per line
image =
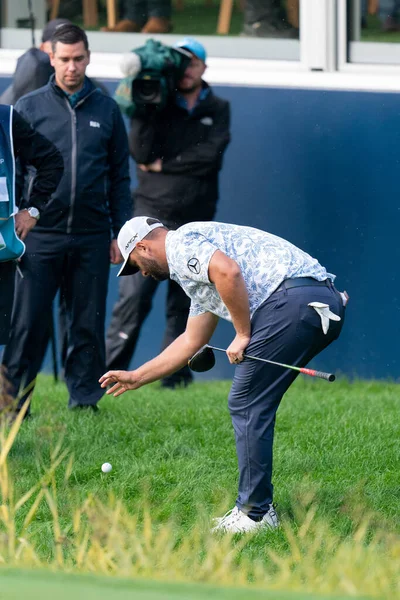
x: 284, y: 329
x: 82, y: 264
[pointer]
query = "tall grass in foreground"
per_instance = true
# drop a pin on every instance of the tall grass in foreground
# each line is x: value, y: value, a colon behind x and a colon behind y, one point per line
x: 106, y: 538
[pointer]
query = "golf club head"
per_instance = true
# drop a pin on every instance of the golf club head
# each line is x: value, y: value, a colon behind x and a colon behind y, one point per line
x: 203, y: 360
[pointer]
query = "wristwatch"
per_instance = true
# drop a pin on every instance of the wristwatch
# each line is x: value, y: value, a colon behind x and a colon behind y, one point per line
x: 34, y: 213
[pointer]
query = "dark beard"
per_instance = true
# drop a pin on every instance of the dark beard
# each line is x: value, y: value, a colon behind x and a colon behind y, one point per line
x: 155, y: 271
x: 161, y: 276
x: 187, y: 90
x: 190, y: 90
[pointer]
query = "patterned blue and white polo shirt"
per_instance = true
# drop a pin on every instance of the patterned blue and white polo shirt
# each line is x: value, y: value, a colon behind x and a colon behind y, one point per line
x: 264, y: 259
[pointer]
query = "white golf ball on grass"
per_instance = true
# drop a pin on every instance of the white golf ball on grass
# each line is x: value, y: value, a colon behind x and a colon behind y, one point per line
x: 106, y: 467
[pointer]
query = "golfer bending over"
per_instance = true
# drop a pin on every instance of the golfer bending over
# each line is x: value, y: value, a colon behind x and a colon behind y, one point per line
x: 262, y: 284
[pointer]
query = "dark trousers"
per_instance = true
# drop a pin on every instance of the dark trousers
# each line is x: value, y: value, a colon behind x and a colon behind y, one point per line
x: 389, y: 8
x: 82, y: 263
x: 141, y: 10
x: 286, y: 330
x: 261, y: 10
x: 7, y: 276
x: 130, y: 311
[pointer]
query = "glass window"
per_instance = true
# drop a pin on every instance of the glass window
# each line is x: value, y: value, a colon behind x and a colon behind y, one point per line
x: 264, y: 29
x: 373, y: 28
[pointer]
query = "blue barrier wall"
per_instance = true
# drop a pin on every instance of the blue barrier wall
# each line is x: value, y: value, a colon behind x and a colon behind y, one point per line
x: 320, y: 168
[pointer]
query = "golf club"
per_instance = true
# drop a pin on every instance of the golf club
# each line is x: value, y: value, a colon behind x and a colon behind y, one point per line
x: 204, y: 360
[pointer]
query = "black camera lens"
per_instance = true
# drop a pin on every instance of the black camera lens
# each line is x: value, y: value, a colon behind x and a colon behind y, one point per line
x: 149, y: 90
x: 146, y: 91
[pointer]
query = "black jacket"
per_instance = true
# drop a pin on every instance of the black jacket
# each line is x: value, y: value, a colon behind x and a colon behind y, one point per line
x: 33, y: 70
x: 191, y: 146
x: 93, y: 194
x: 34, y: 149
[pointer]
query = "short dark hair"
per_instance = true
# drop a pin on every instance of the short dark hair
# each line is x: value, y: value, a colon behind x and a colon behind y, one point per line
x: 69, y: 34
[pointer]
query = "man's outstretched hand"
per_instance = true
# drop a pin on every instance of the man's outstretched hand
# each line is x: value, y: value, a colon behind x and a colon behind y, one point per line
x: 122, y: 380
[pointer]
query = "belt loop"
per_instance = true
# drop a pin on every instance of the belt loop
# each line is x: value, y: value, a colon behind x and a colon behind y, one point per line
x: 284, y: 287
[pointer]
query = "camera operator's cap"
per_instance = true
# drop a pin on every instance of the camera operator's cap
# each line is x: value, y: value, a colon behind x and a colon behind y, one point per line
x: 50, y: 28
x: 189, y: 43
x: 130, y: 234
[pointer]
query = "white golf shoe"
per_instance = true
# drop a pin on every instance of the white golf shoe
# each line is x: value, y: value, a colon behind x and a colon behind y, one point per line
x: 235, y: 521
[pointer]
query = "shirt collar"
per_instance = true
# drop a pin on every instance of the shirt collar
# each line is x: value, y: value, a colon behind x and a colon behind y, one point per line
x: 73, y: 99
x: 181, y: 101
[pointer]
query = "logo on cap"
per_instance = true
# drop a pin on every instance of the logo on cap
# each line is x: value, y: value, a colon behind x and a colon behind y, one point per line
x: 194, y: 265
x: 131, y: 241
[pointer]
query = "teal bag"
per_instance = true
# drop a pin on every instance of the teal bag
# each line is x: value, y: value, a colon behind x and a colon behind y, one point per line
x: 154, y: 66
x: 11, y: 247
x: 123, y: 97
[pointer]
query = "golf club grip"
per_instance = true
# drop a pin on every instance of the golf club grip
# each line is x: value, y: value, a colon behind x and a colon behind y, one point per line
x: 328, y: 376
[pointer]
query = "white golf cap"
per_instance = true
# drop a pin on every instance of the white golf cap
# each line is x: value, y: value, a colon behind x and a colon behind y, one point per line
x: 130, y: 234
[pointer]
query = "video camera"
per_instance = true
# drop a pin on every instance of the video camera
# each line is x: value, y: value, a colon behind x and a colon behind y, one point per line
x: 151, y: 74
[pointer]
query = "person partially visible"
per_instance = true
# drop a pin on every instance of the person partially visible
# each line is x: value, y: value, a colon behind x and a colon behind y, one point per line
x: 387, y: 11
x: 283, y: 306
x: 389, y: 15
x: 75, y: 240
x: 267, y: 18
x: 145, y: 16
x: 18, y: 140
x: 33, y: 68
x: 179, y: 154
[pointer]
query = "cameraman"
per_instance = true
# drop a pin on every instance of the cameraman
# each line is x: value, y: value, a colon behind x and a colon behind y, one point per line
x: 179, y: 153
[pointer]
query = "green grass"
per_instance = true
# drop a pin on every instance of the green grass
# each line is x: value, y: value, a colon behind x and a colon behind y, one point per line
x: 39, y: 585
x: 174, y: 467
x: 338, y: 441
x: 373, y: 32
x: 199, y: 19
x: 196, y: 18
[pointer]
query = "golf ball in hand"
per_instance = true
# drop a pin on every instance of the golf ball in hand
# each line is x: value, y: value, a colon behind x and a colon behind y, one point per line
x: 106, y: 467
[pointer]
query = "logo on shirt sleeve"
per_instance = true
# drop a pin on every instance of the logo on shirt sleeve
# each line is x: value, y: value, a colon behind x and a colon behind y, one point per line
x: 194, y: 265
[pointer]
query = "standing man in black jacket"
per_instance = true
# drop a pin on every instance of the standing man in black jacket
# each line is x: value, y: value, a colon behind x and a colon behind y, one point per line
x: 75, y: 240
x: 179, y: 154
